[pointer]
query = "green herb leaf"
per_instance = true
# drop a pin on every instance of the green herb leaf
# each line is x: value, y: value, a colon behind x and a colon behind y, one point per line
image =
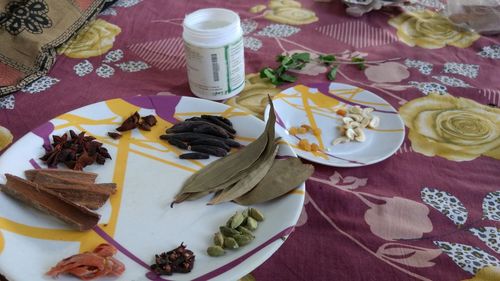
x: 327, y: 59
x: 360, y: 62
x: 288, y: 78
x: 286, y: 61
x: 279, y: 58
x: 332, y: 74
x: 304, y: 57
x: 280, y: 70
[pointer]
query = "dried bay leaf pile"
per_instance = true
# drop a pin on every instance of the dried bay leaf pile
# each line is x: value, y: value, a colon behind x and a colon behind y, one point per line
x: 249, y: 176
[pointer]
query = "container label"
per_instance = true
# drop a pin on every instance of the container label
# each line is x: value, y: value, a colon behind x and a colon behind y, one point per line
x: 215, y: 73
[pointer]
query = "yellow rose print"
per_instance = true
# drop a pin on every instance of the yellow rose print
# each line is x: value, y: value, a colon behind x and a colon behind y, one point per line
x: 253, y: 98
x: 284, y: 3
x: 489, y: 273
x: 5, y: 137
x: 457, y: 129
x: 287, y: 12
x: 431, y: 30
x: 96, y: 39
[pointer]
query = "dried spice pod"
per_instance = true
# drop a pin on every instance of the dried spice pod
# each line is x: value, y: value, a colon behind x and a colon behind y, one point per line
x: 235, y: 220
x: 212, y: 142
x: 230, y: 243
x: 208, y: 149
x: 200, y: 127
x: 215, y: 251
x: 256, y: 214
x: 213, y: 130
x: 243, y: 240
x: 284, y: 176
x: 251, y: 224
x: 227, y: 231
x: 175, y: 142
x: 190, y: 137
x: 194, y: 156
x: 144, y: 126
x: 213, y: 119
x: 245, y: 231
x: 218, y: 239
x: 130, y: 123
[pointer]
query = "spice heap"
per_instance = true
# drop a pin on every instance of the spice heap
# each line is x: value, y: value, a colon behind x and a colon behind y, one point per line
x: 204, y: 136
x: 90, y: 265
x: 134, y: 121
x: 236, y: 233
x: 65, y: 194
x: 249, y: 176
x: 76, y: 151
x: 304, y: 144
x: 179, y: 260
x: 356, y: 119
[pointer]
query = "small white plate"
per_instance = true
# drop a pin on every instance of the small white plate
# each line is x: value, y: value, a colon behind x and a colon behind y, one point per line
x: 138, y: 219
x: 317, y: 105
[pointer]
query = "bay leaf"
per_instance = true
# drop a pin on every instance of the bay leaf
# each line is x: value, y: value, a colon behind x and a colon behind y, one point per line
x: 254, y: 176
x: 284, y: 176
x: 228, y: 168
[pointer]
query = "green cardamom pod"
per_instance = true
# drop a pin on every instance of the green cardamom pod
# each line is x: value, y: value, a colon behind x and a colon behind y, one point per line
x: 215, y: 251
x: 230, y: 243
x: 256, y: 214
x: 245, y: 231
x: 243, y: 240
x: 236, y: 220
x: 219, y: 239
x: 245, y: 212
x: 227, y: 231
x: 251, y: 224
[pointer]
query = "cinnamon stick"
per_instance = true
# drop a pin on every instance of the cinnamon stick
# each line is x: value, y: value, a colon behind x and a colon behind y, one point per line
x: 65, y: 174
x: 50, y: 202
x: 92, y: 196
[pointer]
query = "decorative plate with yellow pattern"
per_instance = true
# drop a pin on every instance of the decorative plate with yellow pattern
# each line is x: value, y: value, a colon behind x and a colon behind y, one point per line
x: 138, y: 219
x: 317, y: 105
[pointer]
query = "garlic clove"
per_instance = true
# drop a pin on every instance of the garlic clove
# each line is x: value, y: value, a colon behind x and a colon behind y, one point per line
x: 360, y: 135
x: 350, y: 134
x: 374, y: 122
x: 354, y: 124
x: 347, y: 120
x: 355, y: 117
x: 367, y: 110
x: 340, y: 140
x: 365, y: 122
x: 355, y: 109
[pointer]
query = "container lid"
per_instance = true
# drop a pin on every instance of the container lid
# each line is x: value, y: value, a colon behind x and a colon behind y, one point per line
x: 211, y: 27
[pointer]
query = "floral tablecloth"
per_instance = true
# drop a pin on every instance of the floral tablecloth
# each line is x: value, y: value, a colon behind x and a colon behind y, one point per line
x: 430, y: 212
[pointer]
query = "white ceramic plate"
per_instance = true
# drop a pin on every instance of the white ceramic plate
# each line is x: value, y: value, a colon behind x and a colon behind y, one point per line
x: 138, y: 218
x: 317, y: 105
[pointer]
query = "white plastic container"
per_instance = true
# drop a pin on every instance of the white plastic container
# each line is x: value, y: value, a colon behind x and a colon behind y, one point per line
x: 213, y: 46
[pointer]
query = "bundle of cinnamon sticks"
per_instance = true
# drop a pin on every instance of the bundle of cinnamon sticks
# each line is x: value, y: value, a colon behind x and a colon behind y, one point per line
x: 65, y: 194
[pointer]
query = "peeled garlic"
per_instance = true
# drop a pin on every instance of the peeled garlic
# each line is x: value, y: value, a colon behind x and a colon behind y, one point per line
x: 350, y: 134
x: 365, y: 122
x: 374, y: 122
x: 340, y: 140
x: 360, y: 135
x: 355, y: 117
x: 347, y: 120
x: 356, y: 109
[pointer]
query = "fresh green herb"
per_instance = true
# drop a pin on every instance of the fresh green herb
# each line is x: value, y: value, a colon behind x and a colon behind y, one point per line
x: 360, y: 62
x: 298, y: 61
x: 327, y: 59
x: 332, y: 73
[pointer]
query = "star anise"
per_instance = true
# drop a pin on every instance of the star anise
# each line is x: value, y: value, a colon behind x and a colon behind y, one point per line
x: 74, y: 150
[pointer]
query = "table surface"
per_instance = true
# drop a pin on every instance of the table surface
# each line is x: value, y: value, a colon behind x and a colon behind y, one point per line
x: 430, y: 212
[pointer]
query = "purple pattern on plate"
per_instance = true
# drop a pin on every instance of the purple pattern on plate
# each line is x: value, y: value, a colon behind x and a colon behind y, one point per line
x: 163, y: 105
x: 43, y: 132
x: 35, y: 164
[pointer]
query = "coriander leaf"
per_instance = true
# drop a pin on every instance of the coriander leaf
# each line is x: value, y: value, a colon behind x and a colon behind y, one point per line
x: 304, y: 57
x: 286, y: 61
x: 360, y: 62
x: 288, y: 78
x: 327, y: 59
x: 280, y: 70
x: 267, y: 73
x: 332, y: 74
x: 279, y: 58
